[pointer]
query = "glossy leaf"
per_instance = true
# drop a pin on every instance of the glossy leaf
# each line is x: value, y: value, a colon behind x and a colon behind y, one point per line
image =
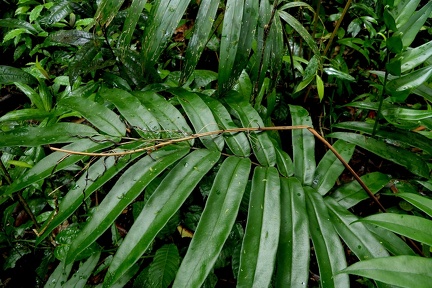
x: 258, y: 252
x: 402, y: 271
x: 59, y: 276
x: 416, y: 56
x: 395, y: 114
x: 260, y: 141
x: 238, y: 143
x: 161, y: 206
x: 55, y: 162
x: 25, y: 114
x: 201, y: 117
x: 32, y: 95
x: 36, y: 136
x: 320, y: 87
x: 107, y: 10
x: 284, y: 162
x: 134, y: 112
x: 404, y: 10
x: 71, y: 37
x: 409, y: 160
x: 401, y: 86
x: 80, y: 277
x: 410, y: 29
x: 83, y: 57
x: 338, y: 74
x: 127, y: 188
x: 220, y: 213
x: 166, y: 114
x: 327, y: 245
x: 301, y: 30
x: 229, y: 42
x: 303, y: 146
x: 395, y: 136
x: 352, y: 193
x: 9, y: 75
x: 293, y: 250
x: 203, y: 24
x: 163, y: 21
x: 358, y: 238
x: 414, y: 227
x: 97, y: 114
x: 421, y: 202
x: 330, y: 168
x: 392, y: 242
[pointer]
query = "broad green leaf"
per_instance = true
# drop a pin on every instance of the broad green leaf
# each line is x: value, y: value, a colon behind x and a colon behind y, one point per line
x: 415, y: 57
x: 230, y: 38
x: 107, y: 10
x: 161, y: 206
x: 396, y: 136
x: 25, y: 114
x: 14, y: 33
x: 330, y: 168
x: 164, y: 267
x: 303, y: 146
x: 201, y: 117
x: 129, y: 26
x: 220, y: 213
x: 17, y: 23
x: 358, y: 238
x: 134, y: 112
x: 414, y: 227
x: 238, y: 143
x: 260, y: 243
x: 301, y: 30
x: 71, y: 37
x: 294, y: 249
x: 81, y: 62
x: 55, y: 162
x: 327, y: 245
x: 404, y: 10
x: 36, y: 136
x: 320, y: 86
x: 97, y: 114
x: 407, y: 159
x: 127, y: 188
x: 9, y: 75
x: 283, y: 161
x: 400, y: 87
x: 166, y: 114
x: 260, y: 141
x: 338, y: 74
x: 402, y: 271
x: 202, y: 27
x: 410, y: 29
x: 421, y: 202
x: 163, y: 21
x: 80, y: 277
x: 352, y: 193
x: 393, y: 243
x: 58, y: 12
x: 395, y: 114
x: 59, y: 276
x: 395, y: 44
x: 32, y: 95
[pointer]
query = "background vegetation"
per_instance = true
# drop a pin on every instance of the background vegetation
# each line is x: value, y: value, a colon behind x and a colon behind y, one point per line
x: 216, y: 143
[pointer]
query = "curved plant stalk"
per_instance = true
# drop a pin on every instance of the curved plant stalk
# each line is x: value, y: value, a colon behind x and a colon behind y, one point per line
x: 348, y: 4
x: 235, y: 130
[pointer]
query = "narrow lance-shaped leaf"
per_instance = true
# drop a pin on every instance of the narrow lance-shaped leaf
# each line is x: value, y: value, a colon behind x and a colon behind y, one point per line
x: 9, y: 75
x: 133, y: 111
x: 201, y: 117
x: 161, y: 206
x: 414, y: 227
x: 260, y: 141
x: 294, y: 249
x: 215, y: 223
x: 402, y: 271
x: 107, y: 10
x: 202, y: 27
x: 97, y: 114
x: 258, y: 252
x: 127, y: 188
x: 32, y: 95
x: 238, y: 143
x: 232, y: 24
x: 421, y: 202
x: 80, y: 277
x: 303, y: 146
x: 327, y: 245
x: 410, y: 29
x: 409, y: 160
x: 55, y: 162
x: 330, y: 167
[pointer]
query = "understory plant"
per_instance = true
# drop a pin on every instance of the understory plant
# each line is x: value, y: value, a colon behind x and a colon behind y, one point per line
x: 138, y: 167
